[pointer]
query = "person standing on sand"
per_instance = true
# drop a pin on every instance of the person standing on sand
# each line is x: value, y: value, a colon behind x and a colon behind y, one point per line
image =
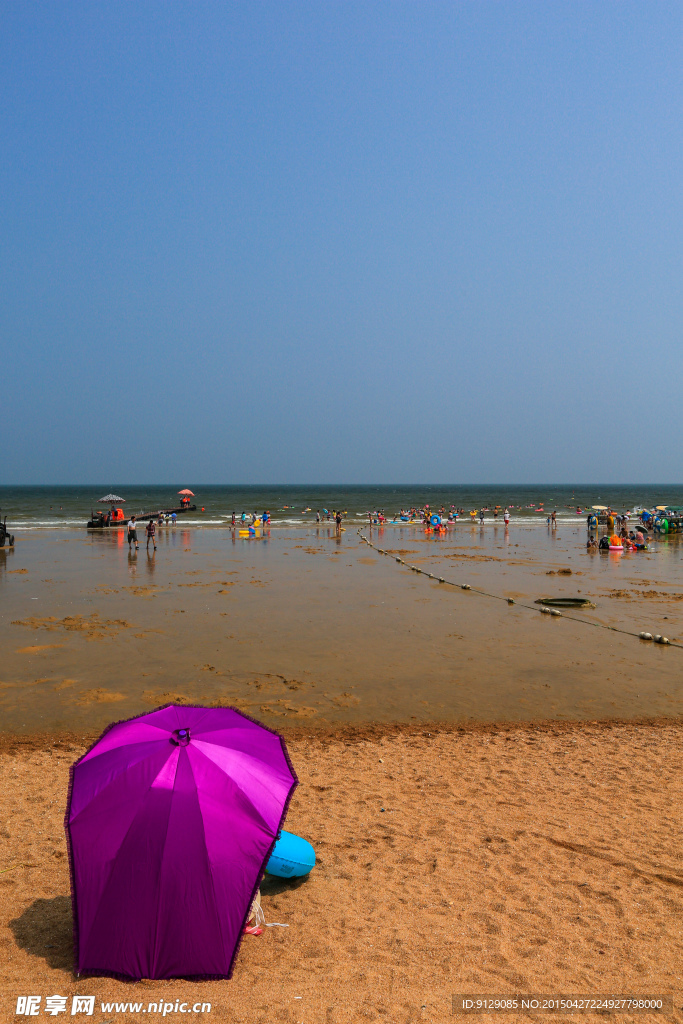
x: 338, y: 519
x: 132, y: 532
x: 151, y: 534
x: 506, y: 517
x: 553, y: 519
x: 317, y: 516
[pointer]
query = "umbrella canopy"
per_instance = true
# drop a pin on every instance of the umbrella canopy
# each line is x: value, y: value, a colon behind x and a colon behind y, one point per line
x: 600, y: 508
x: 186, y: 491
x: 111, y: 499
x: 171, y: 819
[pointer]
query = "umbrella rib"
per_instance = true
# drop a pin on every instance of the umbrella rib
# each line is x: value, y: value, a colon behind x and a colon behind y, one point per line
x: 208, y: 859
x: 193, y: 727
x: 237, y: 785
x: 161, y: 868
x: 103, y: 753
x: 112, y: 780
x: 163, y: 734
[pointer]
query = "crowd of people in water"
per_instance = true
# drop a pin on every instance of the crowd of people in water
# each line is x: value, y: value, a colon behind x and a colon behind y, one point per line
x: 618, y: 536
x: 630, y: 541
x: 426, y: 514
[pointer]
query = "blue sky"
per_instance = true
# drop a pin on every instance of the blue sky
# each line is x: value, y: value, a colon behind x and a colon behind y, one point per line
x: 340, y: 242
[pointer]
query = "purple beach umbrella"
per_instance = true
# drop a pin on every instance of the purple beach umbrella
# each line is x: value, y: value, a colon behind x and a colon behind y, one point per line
x: 171, y: 819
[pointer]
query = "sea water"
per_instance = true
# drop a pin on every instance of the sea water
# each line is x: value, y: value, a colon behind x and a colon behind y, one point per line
x: 29, y: 508
x: 308, y: 626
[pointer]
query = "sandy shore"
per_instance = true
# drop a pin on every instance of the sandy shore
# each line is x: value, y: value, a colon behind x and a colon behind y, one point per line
x: 545, y: 859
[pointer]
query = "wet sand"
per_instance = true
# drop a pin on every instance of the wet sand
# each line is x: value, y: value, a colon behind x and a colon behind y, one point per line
x: 506, y: 859
x: 301, y: 626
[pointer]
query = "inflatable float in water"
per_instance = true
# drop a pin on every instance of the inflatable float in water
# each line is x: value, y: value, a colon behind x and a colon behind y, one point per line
x: 292, y: 857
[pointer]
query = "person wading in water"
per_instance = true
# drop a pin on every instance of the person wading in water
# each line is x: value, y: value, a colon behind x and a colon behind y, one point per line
x: 132, y: 532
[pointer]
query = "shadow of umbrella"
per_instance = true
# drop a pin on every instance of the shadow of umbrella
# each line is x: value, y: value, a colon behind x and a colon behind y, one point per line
x: 45, y: 929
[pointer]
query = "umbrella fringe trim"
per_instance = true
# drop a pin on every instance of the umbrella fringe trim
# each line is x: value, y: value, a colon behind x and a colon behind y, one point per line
x: 72, y: 870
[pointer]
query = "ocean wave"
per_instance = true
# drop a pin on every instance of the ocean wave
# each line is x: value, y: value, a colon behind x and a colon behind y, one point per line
x: 357, y: 519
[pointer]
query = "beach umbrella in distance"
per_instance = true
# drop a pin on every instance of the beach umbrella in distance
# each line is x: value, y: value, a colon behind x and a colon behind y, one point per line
x: 599, y: 508
x: 110, y: 499
x: 171, y: 819
x: 187, y: 491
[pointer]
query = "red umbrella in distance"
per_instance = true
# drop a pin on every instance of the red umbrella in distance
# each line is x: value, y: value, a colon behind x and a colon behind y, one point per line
x: 186, y: 491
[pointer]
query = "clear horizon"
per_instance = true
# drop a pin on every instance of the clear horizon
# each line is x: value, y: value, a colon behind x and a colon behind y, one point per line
x: 394, y: 483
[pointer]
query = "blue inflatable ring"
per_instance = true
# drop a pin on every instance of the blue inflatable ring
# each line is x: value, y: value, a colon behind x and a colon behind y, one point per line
x: 292, y: 857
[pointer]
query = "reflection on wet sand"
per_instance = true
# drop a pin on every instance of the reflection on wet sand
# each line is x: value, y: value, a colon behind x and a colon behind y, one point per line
x: 313, y: 627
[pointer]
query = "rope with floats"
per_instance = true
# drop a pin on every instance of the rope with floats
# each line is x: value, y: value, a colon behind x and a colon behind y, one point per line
x: 656, y: 638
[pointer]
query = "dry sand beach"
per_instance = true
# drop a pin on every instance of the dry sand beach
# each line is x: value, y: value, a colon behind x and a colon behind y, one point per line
x: 539, y: 859
x: 453, y: 855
